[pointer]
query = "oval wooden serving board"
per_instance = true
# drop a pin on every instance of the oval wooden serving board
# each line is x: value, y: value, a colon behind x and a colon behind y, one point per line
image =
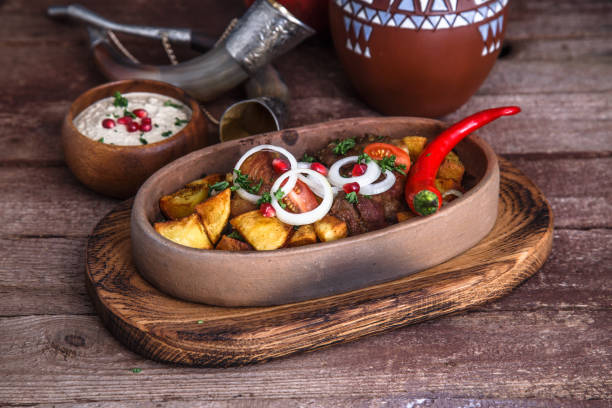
x: 174, y: 331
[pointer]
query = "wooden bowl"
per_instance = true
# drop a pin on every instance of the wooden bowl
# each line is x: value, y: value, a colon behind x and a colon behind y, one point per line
x: 118, y: 171
x: 292, y: 275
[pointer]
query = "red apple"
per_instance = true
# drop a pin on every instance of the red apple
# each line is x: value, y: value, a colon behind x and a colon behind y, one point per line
x: 311, y: 12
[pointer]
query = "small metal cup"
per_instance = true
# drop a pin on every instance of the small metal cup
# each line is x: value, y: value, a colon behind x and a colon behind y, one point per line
x: 252, y: 116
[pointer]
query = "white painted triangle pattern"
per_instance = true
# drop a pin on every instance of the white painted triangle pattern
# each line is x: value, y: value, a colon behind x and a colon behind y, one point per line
x: 484, y: 32
x: 478, y: 18
x: 443, y: 24
x: 490, y: 13
x: 497, y: 7
x: 492, y: 48
x: 367, y: 31
x: 485, y: 51
x: 423, y: 5
x: 376, y: 20
x: 348, y: 44
x: 418, y: 20
x: 357, y: 28
x: 453, y: 4
x: 427, y: 25
x: 366, y: 53
x: 357, y: 49
x: 439, y: 5
x: 391, y: 23
x: 408, y: 24
x: 497, y: 44
x: 407, y: 5
x: 361, y: 15
x: 450, y: 18
x: 434, y: 20
x: 460, y: 22
x: 493, y: 24
x: 348, y: 8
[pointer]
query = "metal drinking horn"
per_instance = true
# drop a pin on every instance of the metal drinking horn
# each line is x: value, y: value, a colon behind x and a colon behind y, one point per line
x: 266, y: 31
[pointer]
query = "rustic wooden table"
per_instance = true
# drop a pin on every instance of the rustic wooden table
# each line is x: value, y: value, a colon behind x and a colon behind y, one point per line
x: 548, y: 343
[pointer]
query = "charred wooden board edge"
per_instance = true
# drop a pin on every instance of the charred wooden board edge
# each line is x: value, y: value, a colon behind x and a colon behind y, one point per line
x: 272, y: 332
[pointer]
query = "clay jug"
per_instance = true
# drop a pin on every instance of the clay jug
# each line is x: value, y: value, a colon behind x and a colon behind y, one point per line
x: 417, y: 57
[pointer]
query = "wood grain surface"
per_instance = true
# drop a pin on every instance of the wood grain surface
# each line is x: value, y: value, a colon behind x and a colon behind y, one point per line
x: 170, y: 330
x: 546, y: 344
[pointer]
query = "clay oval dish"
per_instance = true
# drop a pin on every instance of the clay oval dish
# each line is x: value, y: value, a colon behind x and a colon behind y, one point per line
x: 291, y: 275
x: 118, y: 171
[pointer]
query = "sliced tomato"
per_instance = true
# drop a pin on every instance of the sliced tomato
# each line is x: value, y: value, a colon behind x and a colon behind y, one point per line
x: 379, y: 150
x: 300, y: 199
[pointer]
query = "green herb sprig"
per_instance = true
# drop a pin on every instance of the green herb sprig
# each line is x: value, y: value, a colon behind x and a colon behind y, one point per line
x: 180, y: 122
x: 308, y: 159
x: 242, y: 181
x: 220, y: 186
x: 130, y: 114
x: 166, y: 133
x: 351, y: 197
x: 235, y: 235
x: 388, y: 163
x: 120, y: 101
x: 174, y: 105
x: 279, y: 197
x: 343, y: 146
x: 265, y: 198
x: 363, y: 158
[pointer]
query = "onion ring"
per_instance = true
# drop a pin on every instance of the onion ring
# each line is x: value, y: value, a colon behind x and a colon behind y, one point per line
x: 307, y: 217
x: 371, y: 174
x: 381, y: 186
x: 253, y: 198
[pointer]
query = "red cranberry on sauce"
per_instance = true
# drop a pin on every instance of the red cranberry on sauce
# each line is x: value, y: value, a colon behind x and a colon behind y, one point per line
x: 108, y: 123
x: 132, y: 127
x: 145, y: 121
x: 141, y: 113
x: 145, y: 127
x: 124, y: 120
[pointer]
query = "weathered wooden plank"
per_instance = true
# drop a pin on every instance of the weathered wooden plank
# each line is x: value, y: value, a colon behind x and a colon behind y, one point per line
x: 396, y: 401
x: 48, y: 201
x: 576, y: 276
x: 543, y: 355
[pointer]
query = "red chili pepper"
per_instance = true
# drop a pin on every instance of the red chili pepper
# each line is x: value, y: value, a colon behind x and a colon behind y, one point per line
x: 422, y: 196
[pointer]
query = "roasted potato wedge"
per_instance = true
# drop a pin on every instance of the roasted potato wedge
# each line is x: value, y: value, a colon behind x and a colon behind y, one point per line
x: 182, y: 203
x: 263, y: 233
x: 187, y: 231
x: 330, y: 228
x: 230, y: 244
x: 451, y: 168
x: 214, y: 214
x: 444, y: 185
x: 405, y: 216
x: 209, y: 180
x: 304, y: 235
x: 413, y: 145
x: 239, y: 205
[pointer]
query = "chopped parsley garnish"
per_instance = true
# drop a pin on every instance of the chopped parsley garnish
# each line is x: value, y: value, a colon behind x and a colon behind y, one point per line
x: 363, y: 158
x: 143, y: 140
x: 351, y: 197
x: 388, y: 163
x: 265, y: 198
x: 116, y: 116
x: 180, y: 122
x: 120, y: 101
x: 166, y: 133
x: 156, y: 125
x: 343, y: 146
x: 220, y: 186
x: 242, y: 181
x: 101, y: 140
x: 235, y: 235
x: 279, y: 197
x: 130, y: 114
x: 296, y: 227
x: 174, y: 105
x: 136, y: 370
x: 308, y: 159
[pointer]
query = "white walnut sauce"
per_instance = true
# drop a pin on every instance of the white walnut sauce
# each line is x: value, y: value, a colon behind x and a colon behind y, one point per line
x: 133, y: 119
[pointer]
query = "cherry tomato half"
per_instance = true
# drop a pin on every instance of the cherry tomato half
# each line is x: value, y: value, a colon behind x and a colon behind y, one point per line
x: 379, y: 150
